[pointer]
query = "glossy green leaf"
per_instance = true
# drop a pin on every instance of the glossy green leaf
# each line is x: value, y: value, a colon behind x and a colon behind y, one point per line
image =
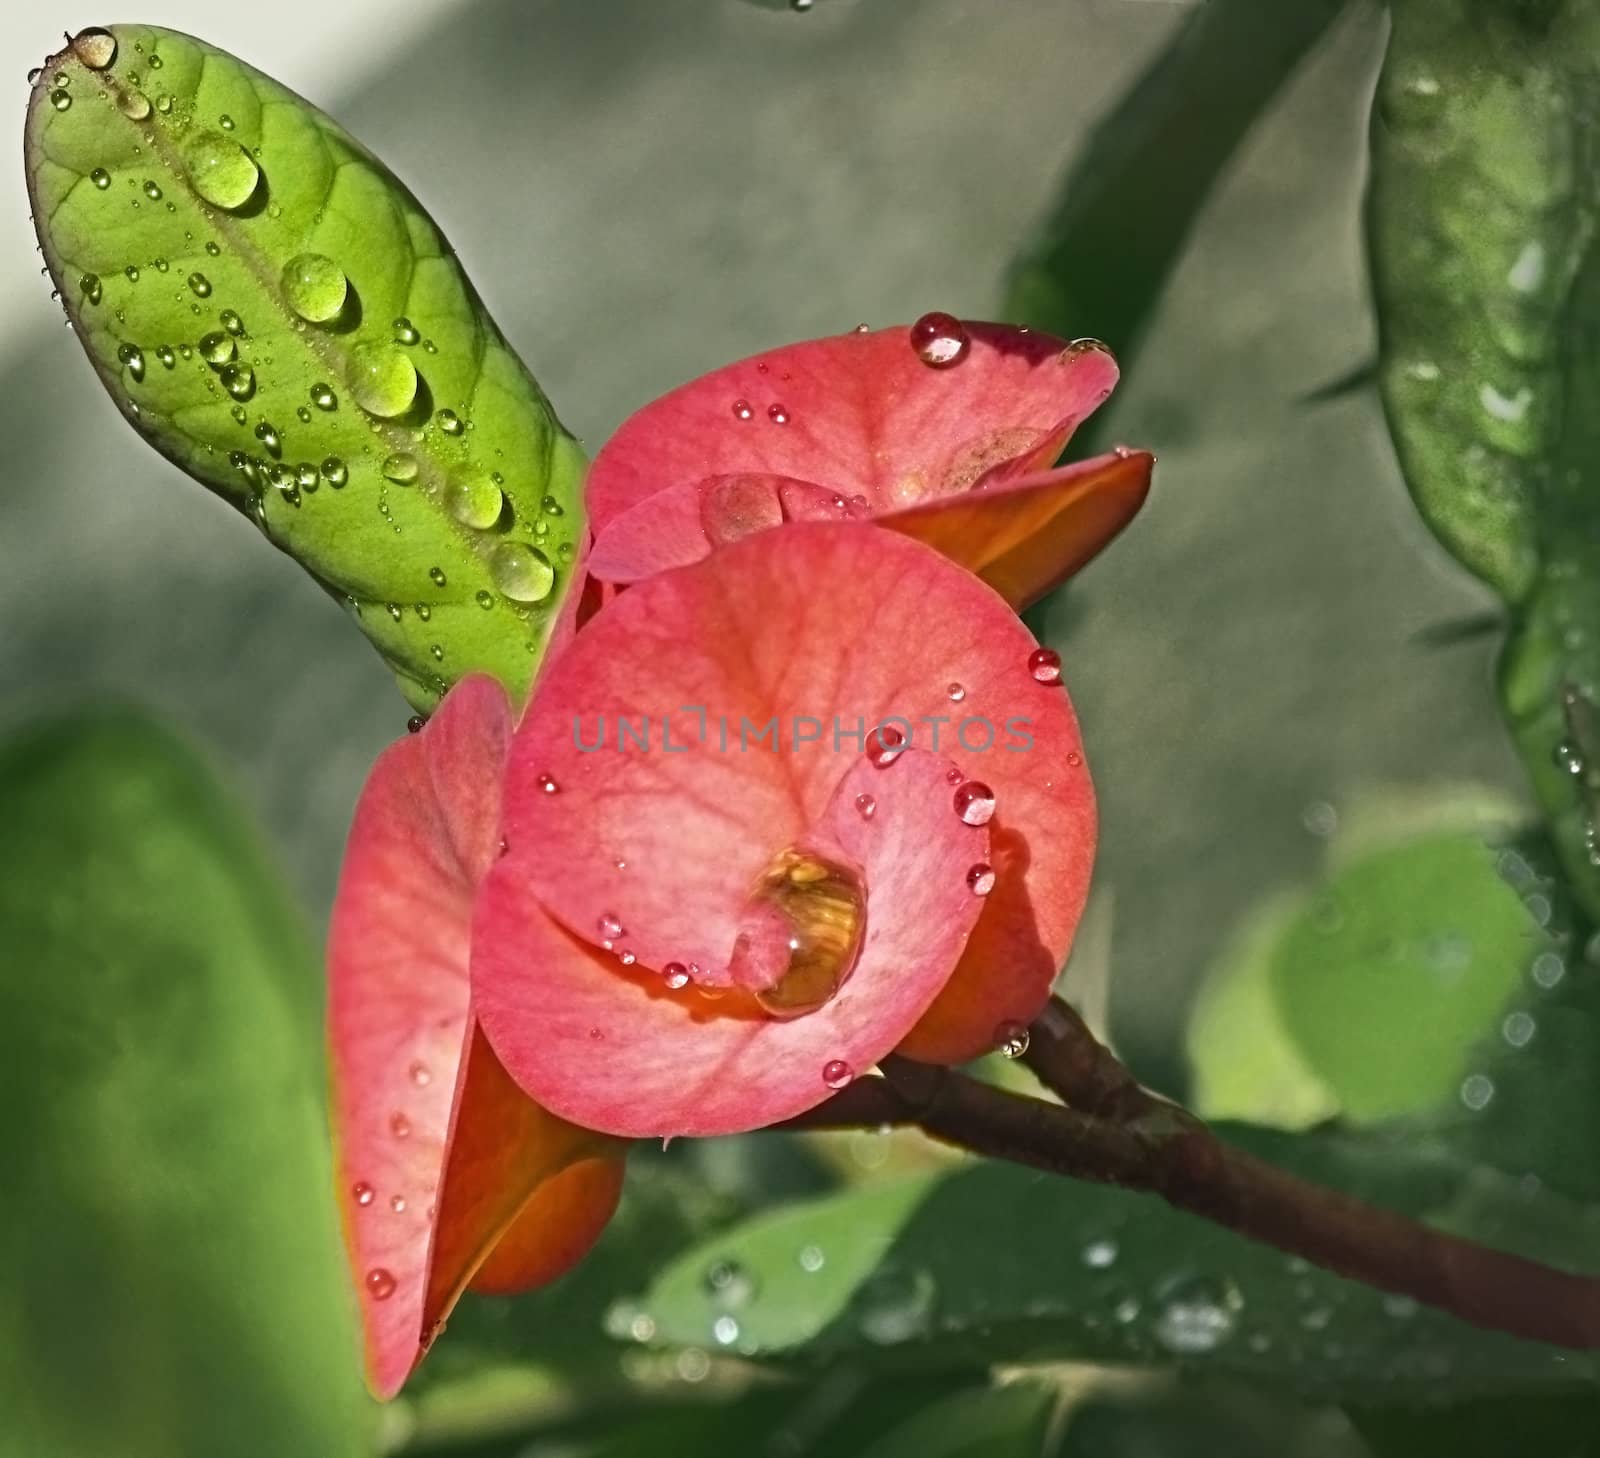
x: 887, y: 1276
x: 276, y: 314
x: 171, y: 1282
x: 1128, y: 202
x: 1482, y: 224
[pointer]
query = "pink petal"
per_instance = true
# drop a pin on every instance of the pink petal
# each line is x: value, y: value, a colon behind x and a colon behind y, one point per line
x: 617, y: 1049
x: 862, y: 414
x: 826, y: 630
x: 407, y: 1103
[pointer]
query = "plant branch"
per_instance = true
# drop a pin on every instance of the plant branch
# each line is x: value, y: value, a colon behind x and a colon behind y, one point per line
x: 1112, y: 1131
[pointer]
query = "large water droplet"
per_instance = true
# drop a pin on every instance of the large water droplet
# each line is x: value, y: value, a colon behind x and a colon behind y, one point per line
x: 837, y: 1074
x: 522, y: 573
x: 885, y: 744
x: 866, y: 806
x: 315, y: 287
x: 132, y: 357
x: 232, y: 322
x: 974, y: 802
x: 801, y: 934
x: 1196, y: 1316
x: 239, y: 380
x: 200, y: 285
x: 742, y: 410
x: 61, y: 100
x: 217, y: 348
x: 380, y: 1284
x: 382, y: 380
x: 362, y: 1192
x: 1044, y: 664
x: 405, y: 332
x: 476, y: 502
x: 334, y: 472
x: 675, y: 975
x: 980, y: 879
x: 89, y: 286
x: 95, y: 47
x: 940, y: 340
x: 222, y: 172
x: 101, y: 178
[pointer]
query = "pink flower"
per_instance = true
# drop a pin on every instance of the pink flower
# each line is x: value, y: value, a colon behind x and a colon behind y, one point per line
x: 946, y: 432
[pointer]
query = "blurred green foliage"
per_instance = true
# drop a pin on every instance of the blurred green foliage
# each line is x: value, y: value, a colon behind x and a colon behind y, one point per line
x: 171, y: 1282
x: 276, y: 314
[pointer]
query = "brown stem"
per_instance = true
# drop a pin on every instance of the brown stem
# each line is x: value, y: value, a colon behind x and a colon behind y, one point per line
x: 1113, y: 1132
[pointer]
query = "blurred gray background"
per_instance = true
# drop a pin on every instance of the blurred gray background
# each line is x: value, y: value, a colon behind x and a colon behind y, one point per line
x: 644, y: 189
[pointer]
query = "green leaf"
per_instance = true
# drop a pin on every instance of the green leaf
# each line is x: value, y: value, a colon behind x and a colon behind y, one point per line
x: 278, y: 316
x: 171, y: 1282
x: 888, y: 1275
x: 1482, y: 229
x: 997, y: 1422
x: 1127, y: 204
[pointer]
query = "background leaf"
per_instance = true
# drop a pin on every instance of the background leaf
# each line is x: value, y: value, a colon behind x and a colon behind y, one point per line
x: 170, y: 1276
x: 1072, y: 1271
x: 1127, y: 204
x: 277, y: 315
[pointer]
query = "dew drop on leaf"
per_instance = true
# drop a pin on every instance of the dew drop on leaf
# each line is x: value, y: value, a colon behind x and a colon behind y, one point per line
x: 315, y: 287
x: 96, y: 48
x: 222, y: 172
x: 476, y: 502
x: 522, y: 573
x: 382, y: 380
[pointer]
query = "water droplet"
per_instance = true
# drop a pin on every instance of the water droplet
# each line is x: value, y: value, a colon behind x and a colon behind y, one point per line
x: 1477, y: 1090
x: 836, y: 1073
x: 231, y: 322
x: 132, y: 272
x: 778, y: 414
x: 399, y: 1126
x: 217, y: 348
x: 811, y: 1259
x: 1044, y: 664
x: 405, y: 332
x: 380, y: 1284
x: 334, y: 472
x: 61, y: 100
x: 167, y: 355
x: 1518, y: 1029
x: 225, y: 122
x: 400, y: 468
x: 152, y: 190
x: 885, y: 744
x: 866, y: 806
x: 96, y: 48
x: 940, y: 340
x: 609, y: 927
x: 522, y: 573
x: 222, y: 172
x: 397, y: 1203
x: 436, y: 575
x: 101, y: 178
x: 897, y: 1305
x: 89, y: 286
x: 1197, y: 1316
x: 1011, y: 1039
x: 132, y: 357
x: 980, y: 879
x: 476, y: 502
x: 974, y: 802
x: 382, y: 380
x: 742, y: 410
x: 267, y: 434
x: 239, y: 380
x: 725, y: 1330
x: 548, y: 784
x: 801, y: 933
x: 200, y: 285
x: 675, y: 975
x: 1074, y: 758
x: 306, y: 474
x: 214, y: 250
x: 1548, y: 969
x: 449, y: 422
x: 362, y: 1192
x: 1099, y: 1255
x: 315, y: 287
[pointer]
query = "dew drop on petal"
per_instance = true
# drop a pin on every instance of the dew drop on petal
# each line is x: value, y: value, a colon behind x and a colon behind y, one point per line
x: 1011, y: 1039
x: 940, y: 340
x: 380, y: 1284
x: 885, y: 744
x: 609, y: 927
x: 399, y: 1126
x: 866, y: 806
x: 675, y: 975
x: 742, y: 410
x: 548, y: 784
x: 397, y: 1203
x: 836, y: 1073
x: 801, y: 933
x: 956, y: 693
x: 980, y: 879
x: 1044, y: 664
x: 778, y: 414
x: 974, y: 802
x: 420, y: 1076
x: 362, y: 1192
